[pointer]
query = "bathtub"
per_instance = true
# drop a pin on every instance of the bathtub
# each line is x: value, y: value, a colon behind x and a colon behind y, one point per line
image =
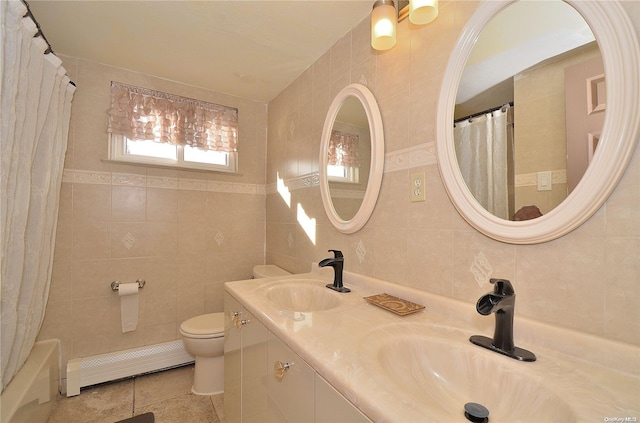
x: 32, y: 393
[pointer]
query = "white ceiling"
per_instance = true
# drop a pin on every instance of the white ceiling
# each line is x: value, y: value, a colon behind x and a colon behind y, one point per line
x: 250, y: 49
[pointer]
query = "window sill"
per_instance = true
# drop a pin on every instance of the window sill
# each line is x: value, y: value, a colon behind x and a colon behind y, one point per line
x: 170, y: 167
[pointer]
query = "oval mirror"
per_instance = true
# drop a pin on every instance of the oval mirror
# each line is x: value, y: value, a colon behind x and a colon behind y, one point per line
x: 351, y: 158
x: 618, y: 47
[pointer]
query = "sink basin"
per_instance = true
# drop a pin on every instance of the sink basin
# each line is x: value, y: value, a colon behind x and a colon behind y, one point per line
x: 302, y: 296
x: 444, y: 375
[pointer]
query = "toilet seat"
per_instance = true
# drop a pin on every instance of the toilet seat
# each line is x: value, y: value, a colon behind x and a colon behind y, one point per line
x: 204, y: 326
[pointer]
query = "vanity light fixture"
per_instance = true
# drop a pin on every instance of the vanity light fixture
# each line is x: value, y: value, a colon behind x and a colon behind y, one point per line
x: 386, y: 14
x: 422, y: 12
x: 383, y: 25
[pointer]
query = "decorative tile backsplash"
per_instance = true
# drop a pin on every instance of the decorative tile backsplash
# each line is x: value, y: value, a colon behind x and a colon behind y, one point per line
x: 134, y: 180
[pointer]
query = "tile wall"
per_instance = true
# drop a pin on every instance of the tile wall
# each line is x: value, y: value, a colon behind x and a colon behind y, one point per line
x: 588, y: 280
x: 184, y: 232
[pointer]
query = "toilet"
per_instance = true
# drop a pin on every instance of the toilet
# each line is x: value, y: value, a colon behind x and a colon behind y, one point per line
x: 203, y: 338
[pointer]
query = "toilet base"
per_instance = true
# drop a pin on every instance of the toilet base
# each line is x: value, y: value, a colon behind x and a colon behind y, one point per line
x: 208, y: 378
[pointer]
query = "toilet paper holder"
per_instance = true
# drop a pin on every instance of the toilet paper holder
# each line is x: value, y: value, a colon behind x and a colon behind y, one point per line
x: 116, y: 284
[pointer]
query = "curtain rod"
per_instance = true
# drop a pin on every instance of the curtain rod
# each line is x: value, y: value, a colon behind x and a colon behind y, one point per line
x: 39, y: 33
x: 483, y: 112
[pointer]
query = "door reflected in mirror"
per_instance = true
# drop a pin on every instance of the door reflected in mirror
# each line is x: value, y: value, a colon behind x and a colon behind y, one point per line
x: 529, y: 109
x: 349, y: 158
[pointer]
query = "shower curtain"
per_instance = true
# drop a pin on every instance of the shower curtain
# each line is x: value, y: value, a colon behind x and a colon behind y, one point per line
x: 482, y: 145
x: 36, y: 107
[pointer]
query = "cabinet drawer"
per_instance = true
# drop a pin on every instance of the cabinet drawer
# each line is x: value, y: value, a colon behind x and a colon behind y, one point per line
x: 293, y: 392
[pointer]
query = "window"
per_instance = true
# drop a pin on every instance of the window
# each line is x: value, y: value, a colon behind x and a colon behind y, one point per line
x: 147, y: 152
x: 155, y: 128
x: 337, y: 173
x: 344, y: 157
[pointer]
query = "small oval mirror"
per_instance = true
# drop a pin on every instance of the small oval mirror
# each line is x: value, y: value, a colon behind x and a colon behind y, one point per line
x: 351, y: 158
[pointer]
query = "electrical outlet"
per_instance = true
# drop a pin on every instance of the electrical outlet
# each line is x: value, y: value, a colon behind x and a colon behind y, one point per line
x: 417, y: 187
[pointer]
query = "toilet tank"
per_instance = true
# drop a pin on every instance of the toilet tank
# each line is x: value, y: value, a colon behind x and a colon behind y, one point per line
x: 268, y: 271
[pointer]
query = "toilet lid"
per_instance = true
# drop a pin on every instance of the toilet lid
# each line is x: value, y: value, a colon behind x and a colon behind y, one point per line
x: 204, y: 324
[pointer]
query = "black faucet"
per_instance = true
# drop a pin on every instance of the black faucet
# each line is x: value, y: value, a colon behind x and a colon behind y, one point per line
x: 502, y: 302
x: 337, y: 262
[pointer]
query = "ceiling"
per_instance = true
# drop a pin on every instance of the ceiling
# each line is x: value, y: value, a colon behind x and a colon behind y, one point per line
x: 249, y: 49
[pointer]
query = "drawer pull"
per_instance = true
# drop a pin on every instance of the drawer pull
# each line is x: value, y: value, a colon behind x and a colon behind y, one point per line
x: 240, y: 322
x: 279, y: 368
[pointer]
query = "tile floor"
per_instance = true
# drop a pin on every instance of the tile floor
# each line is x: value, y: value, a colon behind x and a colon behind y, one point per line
x: 166, y: 394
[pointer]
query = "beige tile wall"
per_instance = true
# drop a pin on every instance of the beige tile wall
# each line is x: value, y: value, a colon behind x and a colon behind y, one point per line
x: 540, y: 95
x: 588, y: 280
x: 171, y: 216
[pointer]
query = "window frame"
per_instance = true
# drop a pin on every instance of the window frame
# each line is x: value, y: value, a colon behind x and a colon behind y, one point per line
x: 118, y: 153
x: 352, y: 175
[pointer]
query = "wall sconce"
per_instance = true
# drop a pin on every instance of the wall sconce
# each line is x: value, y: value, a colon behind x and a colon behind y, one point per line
x: 384, y: 19
x: 386, y: 15
x: 422, y: 12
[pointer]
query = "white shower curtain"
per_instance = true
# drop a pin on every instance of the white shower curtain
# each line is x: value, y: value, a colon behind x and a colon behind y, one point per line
x: 481, y: 148
x: 36, y: 108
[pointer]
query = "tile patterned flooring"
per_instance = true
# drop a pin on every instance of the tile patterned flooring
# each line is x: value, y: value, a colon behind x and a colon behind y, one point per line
x: 166, y: 394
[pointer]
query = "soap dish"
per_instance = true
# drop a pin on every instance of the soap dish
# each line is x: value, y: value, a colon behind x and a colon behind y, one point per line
x: 394, y: 304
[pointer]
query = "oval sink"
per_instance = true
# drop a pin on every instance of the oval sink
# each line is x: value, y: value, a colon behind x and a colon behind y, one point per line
x: 445, y: 375
x: 300, y: 296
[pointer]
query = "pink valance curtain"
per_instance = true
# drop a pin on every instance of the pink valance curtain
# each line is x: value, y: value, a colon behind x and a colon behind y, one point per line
x: 344, y: 149
x: 143, y: 114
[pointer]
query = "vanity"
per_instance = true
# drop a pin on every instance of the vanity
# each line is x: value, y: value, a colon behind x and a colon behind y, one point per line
x: 343, y: 359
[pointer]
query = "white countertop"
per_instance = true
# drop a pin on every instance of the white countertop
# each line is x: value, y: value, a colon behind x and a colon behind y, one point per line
x: 598, y: 379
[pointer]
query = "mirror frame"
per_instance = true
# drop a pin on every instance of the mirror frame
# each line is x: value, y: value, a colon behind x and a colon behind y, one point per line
x: 618, y: 44
x: 374, y: 118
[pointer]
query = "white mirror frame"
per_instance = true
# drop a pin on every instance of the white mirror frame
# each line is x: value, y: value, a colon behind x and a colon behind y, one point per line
x: 370, y: 106
x: 620, y: 53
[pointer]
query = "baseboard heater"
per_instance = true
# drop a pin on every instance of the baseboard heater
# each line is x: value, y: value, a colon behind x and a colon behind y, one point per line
x: 82, y: 372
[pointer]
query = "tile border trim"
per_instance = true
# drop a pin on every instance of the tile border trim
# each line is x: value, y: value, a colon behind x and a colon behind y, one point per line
x: 136, y: 180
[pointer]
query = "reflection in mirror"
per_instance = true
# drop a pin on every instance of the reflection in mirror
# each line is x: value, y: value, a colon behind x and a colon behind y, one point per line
x: 529, y: 109
x: 349, y: 158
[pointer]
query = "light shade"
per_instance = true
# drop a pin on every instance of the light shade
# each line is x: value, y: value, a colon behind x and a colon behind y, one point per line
x: 422, y: 11
x: 383, y: 25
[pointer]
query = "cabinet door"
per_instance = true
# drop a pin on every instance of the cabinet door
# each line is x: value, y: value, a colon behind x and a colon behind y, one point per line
x: 292, y: 394
x: 254, y: 371
x: 232, y: 361
x: 332, y: 407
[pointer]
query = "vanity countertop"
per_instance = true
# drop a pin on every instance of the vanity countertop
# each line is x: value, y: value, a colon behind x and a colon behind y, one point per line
x: 598, y: 379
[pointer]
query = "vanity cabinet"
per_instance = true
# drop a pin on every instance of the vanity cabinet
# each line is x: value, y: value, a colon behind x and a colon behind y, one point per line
x: 232, y: 360
x: 245, y: 366
x: 254, y: 404
x: 332, y: 407
x: 266, y: 381
x: 290, y: 383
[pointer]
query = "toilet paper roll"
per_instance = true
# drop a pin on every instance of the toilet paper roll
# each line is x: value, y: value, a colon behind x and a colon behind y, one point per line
x: 128, y: 306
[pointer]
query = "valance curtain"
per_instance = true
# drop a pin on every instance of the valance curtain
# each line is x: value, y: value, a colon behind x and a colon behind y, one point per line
x: 481, y: 146
x: 143, y: 114
x: 344, y: 149
x: 36, y: 109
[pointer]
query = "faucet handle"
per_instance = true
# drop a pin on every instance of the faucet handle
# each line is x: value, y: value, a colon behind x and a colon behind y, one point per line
x: 502, y: 287
x: 336, y: 253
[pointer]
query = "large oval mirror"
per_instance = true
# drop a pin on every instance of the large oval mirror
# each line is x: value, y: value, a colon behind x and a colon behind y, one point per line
x: 351, y: 158
x: 527, y: 193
